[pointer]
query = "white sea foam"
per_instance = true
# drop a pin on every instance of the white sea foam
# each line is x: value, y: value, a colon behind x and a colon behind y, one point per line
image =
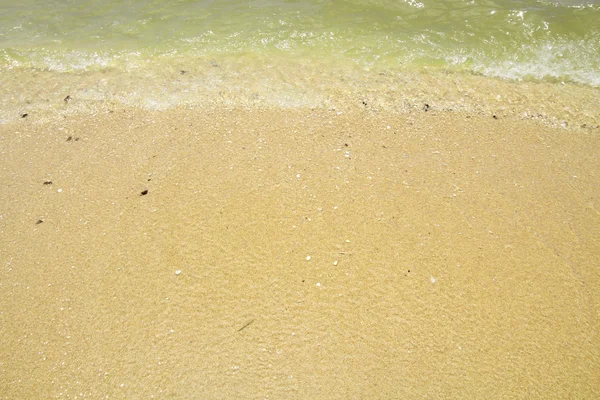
x: 563, y: 60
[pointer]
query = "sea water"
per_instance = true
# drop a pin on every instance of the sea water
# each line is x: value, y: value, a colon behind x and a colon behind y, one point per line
x: 158, y: 54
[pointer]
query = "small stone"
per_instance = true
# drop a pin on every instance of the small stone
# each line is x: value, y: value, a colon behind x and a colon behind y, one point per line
x: 178, y: 272
x: 335, y: 263
x: 433, y: 280
x: 59, y: 190
x: 307, y: 258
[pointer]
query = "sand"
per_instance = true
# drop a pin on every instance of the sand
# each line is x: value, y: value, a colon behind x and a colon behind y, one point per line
x: 298, y: 254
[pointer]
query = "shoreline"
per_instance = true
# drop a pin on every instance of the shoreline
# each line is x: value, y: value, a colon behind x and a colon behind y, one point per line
x: 257, y: 85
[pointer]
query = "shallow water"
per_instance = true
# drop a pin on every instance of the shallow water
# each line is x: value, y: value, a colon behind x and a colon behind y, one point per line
x: 396, y: 55
x: 513, y: 39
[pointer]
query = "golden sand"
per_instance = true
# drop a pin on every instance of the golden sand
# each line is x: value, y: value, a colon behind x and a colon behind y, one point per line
x: 298, y: 254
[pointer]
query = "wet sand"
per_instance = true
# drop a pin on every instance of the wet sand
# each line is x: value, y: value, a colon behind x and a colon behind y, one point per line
x: 298, y: 254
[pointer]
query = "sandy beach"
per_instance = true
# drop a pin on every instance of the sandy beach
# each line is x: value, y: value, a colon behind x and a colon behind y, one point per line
x: 298, y: 254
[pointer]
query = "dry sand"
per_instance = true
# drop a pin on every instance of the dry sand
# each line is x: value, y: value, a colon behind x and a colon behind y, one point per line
x: 298, y: 254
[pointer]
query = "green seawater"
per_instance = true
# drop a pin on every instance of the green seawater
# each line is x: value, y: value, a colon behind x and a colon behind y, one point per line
x: 285, y: 52
x: 514, y: 39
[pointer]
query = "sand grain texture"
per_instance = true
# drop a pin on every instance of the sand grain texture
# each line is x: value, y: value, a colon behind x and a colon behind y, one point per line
x: 450, y: 256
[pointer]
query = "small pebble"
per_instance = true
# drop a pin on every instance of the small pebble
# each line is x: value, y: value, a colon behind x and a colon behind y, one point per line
x: 307, y: 258
x: 432, y: 279
x: 178, y: 272
x: 335, y: 262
